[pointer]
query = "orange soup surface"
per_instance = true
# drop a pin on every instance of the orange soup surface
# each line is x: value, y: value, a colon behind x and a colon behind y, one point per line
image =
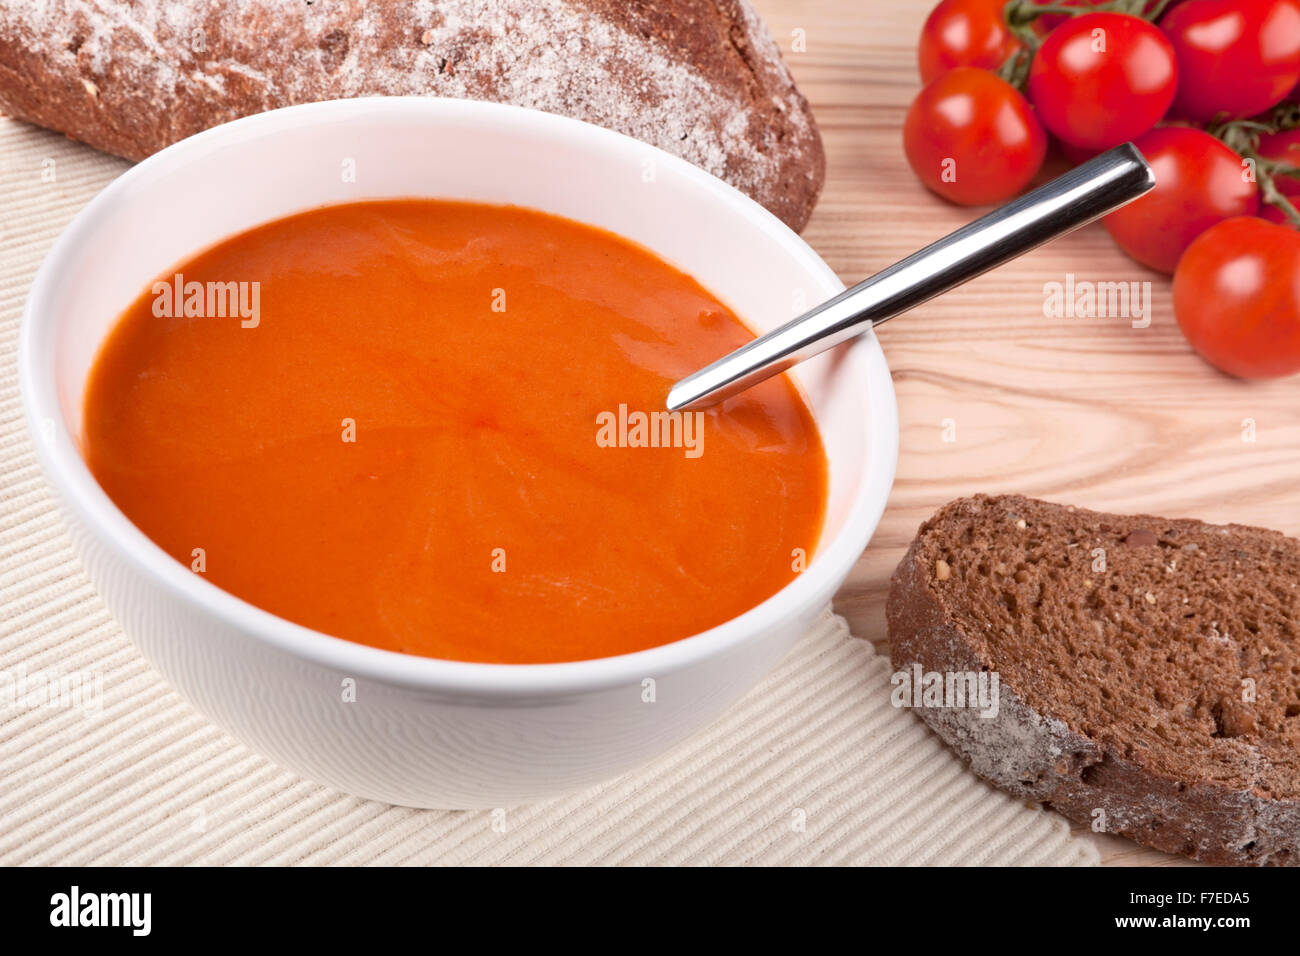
x: 426, y: 426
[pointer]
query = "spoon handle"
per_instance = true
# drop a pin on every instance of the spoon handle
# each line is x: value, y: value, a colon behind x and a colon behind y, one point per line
x: 1075, y: 199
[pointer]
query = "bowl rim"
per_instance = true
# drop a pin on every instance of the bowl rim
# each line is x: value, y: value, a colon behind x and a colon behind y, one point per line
x: 67, y: 472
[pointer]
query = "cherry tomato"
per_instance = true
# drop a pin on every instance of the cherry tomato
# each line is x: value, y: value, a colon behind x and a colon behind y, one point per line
x: 1103, y: 78
x: 965, y: 33
x: 972, y: 138
x: 1235, y: 57
x: 1237, y: 298
x: 1199, y: 183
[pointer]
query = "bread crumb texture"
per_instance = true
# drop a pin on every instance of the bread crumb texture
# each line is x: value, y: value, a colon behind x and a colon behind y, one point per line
x: 1150, y: 667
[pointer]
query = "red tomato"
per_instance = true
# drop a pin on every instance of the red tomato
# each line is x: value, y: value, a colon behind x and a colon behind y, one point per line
x: 1102, y: 79
x: 965, y: 33
x: 1199, y: 183
x: 1238, y: 57
x: 972, y: 138
x: 1237, y: 298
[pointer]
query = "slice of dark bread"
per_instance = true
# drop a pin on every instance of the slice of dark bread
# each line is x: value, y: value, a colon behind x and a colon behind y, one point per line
x: 1148, y: 668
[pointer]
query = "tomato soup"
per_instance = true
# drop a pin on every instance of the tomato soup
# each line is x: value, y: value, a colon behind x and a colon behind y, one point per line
x: 438, y: 428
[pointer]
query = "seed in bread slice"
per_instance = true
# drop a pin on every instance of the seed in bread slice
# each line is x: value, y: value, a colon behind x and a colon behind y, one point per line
x: 1149, y: 668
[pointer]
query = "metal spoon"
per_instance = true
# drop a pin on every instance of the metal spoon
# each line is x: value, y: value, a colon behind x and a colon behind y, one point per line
x: 1082, y: 195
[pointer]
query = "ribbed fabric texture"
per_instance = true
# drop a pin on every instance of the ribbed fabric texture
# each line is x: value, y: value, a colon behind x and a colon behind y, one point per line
x: 814, y: 766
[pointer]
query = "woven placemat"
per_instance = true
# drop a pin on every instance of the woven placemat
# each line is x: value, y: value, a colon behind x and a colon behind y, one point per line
x: 813, y: 766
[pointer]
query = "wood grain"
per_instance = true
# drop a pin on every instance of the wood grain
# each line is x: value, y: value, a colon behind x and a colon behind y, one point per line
x: 1092, y: 412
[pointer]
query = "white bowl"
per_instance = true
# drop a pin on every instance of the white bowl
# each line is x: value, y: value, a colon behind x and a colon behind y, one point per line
x: 423, y: 732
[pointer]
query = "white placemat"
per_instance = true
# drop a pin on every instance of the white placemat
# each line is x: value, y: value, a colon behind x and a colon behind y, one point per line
x: 814, y: 766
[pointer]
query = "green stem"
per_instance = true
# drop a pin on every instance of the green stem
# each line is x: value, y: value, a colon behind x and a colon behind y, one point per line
x: 1273, y: 196
x: 1243, y: 137
x: 1276, y: 168
x: 1285, y: 117
x: 1159, y: 11
x: 1021, y: 14
x: 1016, y: 69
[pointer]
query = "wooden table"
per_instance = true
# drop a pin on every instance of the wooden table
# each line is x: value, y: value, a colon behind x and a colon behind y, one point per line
x: 1092, y: 412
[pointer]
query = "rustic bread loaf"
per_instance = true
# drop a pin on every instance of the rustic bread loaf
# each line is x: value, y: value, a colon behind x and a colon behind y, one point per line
x: 1149, y: 668
x: 698, y: 78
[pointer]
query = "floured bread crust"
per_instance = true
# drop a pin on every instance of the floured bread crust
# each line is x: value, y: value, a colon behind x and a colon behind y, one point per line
x: 699, y: 78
